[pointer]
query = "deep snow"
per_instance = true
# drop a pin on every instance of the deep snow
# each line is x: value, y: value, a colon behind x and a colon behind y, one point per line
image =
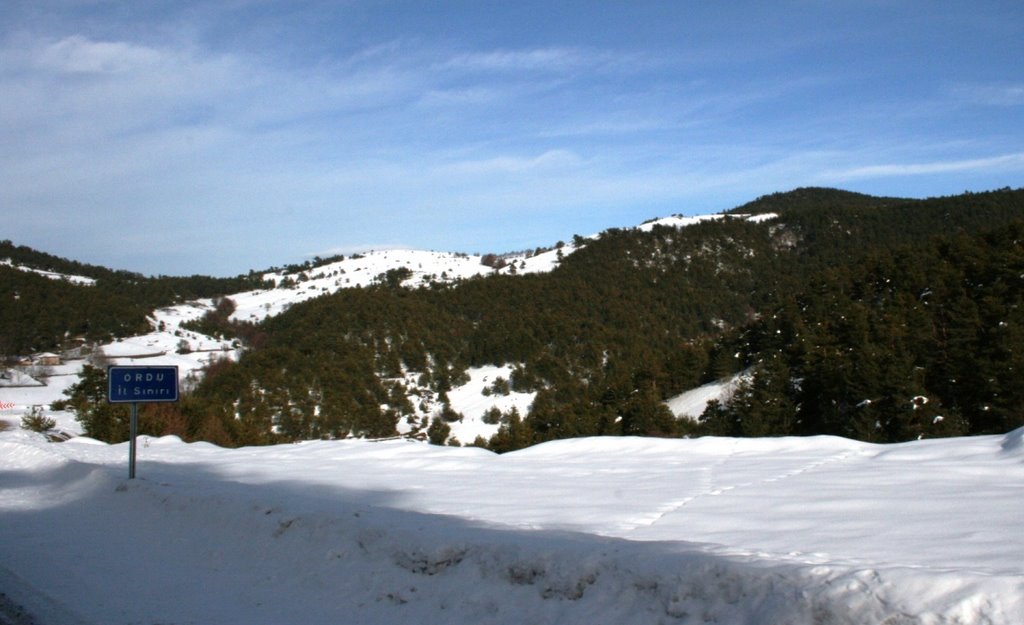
x: 600, y: 530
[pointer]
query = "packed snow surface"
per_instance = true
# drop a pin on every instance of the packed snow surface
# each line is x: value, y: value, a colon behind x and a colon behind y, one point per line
x: 600, y: 530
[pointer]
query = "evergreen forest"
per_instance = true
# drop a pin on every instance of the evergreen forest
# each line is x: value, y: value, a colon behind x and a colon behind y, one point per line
x: 881, y: 319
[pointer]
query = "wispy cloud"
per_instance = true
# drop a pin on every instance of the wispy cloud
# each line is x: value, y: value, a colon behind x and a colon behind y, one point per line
x: 474, y: 95
x: 79, y: 55
x: 1005, y: 162
x: 536, y: 59
x: 990, y: 94
x: 547, y: 161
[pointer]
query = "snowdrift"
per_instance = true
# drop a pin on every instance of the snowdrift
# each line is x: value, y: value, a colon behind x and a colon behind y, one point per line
x: 819, y: 530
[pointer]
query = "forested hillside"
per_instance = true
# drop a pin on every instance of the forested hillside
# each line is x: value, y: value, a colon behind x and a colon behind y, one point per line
x: 914, y: 342
x: 875, y: 318
x: 41, y: 313
x: 636, y: 316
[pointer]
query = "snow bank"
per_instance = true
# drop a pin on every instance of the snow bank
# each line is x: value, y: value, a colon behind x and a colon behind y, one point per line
x: 1013, y: 443
x: 715, y: 530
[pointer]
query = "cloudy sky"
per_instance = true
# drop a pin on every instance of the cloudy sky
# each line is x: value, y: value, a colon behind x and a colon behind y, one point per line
x: 176, y: 137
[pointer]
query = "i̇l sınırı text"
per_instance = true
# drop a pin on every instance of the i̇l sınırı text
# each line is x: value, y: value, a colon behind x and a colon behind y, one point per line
x: 143, y: 392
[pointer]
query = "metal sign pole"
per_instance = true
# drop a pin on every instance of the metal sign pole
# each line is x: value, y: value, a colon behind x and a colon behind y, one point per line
x: 134, y: 431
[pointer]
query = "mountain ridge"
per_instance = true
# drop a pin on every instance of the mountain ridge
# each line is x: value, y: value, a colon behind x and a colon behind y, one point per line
x: 818, y: 198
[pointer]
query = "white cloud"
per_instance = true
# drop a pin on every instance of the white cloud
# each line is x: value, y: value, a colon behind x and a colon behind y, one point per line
x: 539, y: 59
x: 79, y: 55
x: 999, y: 163
x: 475, y: 95
x: 618, y: 124
x: 997, y: 94
x: 362, y: 248
x: 549, y: 160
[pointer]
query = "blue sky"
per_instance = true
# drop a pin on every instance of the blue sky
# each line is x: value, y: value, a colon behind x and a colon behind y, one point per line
x: 175, y: 137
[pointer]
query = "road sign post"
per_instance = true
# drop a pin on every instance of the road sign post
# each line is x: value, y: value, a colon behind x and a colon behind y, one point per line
x: 135, y: 385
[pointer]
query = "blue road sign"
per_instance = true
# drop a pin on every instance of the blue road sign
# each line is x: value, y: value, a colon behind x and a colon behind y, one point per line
x: 142, y: 384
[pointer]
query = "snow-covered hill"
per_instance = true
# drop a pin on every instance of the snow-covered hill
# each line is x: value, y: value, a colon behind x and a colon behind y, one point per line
x: 424, y: 268
x: 682, y: 221
x: 619, y: 530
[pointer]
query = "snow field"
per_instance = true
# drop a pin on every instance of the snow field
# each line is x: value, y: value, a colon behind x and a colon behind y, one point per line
x: 819, y: 530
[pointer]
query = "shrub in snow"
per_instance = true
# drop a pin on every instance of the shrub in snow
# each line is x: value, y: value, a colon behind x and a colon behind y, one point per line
x: 492, y: 416
x: 35, y: 421
x: 438, y: 431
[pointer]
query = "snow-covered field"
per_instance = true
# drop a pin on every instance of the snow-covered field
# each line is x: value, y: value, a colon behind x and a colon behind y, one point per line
x: 604, y: 530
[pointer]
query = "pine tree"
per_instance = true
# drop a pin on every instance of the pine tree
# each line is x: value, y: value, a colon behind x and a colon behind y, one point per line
x: 512, y: 435
x: 88, y: 400
x: 438, y: 432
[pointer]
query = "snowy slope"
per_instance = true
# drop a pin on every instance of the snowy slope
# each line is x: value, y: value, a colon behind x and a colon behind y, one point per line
x: 366, y: 269
x: 471, y: 402
x: 692, y: 403
x: 817, y: 530
x: 682, y: 221
x: 82, y: 280
x: 425, y: 267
